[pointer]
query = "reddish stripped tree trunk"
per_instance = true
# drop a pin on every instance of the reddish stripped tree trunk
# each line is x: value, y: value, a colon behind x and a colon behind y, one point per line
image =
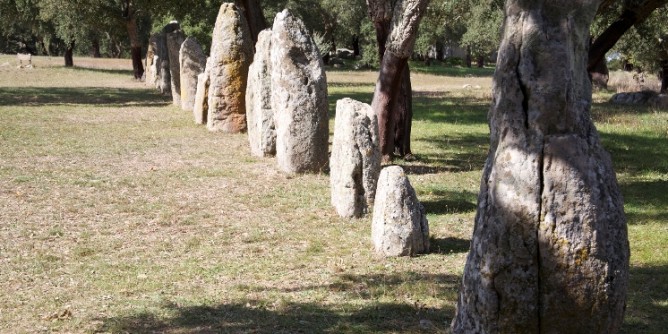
x: 69, y: 59
x: 135, y: 45
x: 393, y: 103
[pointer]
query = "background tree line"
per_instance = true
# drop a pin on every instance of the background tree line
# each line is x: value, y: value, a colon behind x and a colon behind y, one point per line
x: 628, y: 31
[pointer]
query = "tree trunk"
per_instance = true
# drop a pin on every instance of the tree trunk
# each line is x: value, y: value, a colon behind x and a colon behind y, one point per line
x: 404, y: 116
x: 69, y: 59
x: 600, y: 74
x: 135, y: 45
x: 392, y: 100
x: 469, y: 59
x: 664, y: 76
x: 95, y: 48
x: 480, y: 61
x: 254, y: 16
x: 549, y: 252
x: 356, y: 45
x: 637, y: 12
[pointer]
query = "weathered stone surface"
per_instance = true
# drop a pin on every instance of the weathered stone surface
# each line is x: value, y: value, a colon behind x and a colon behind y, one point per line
x: 201, y: 106
x: 231, y: 55
x: 174, y: 41
x: 634, y: 98
x: 299, y: 97
x: 193, y: 62
x: 151, y: 68
x: 163, y: 79
x: 355, y: 161
x: 549, y: 252
x: 399, y: 226
x: 260, y: 117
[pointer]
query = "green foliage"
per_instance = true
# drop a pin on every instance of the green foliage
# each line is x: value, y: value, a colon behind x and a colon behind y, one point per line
x: 483, y: 28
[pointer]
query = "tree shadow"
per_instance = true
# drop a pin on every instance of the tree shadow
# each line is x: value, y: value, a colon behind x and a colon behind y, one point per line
x: 635, y: 153
x: 449, y: 245
x: 647, y: 300
x: 646, y: 199
x: 443, y: 107
x: 450, y: 202
x: 103, y: 70
x: 40, y: 96
x: 280, y: 316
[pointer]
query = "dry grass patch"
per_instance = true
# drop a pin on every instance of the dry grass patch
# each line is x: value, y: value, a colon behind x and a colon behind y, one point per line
x: 118, y: 214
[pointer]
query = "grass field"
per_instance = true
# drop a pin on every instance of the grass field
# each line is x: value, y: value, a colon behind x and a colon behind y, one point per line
x: 119, y: 214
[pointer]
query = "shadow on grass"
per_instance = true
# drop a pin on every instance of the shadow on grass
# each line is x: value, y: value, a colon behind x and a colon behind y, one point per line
x: 637, y: 154
x: 449, y: 245
x: 648, y: 197
x: 448, y: 202
x: 451, y: 71
x: 104, y: 70
x: 39, y: 96
x: 647, y: 301
x: 279, y: 316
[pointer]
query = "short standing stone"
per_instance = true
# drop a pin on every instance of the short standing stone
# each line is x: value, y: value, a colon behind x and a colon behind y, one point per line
x: 259, y: 115
x: 355, y: 161
x: 201, y: 106
x: 193, y: 61
x: 299, y: 97
x: 231, y: 55
x: 400, y: 227
x: 174, y: 41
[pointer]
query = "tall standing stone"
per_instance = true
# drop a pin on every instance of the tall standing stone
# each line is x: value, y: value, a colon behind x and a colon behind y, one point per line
x: 193, y: 62
x: 163, y: 80
x: 231, y: 55
x: 299, y: 97
x: 174, y: 41
x: 355, y: 161
x: 260, y: 116
x: 549, y: 251
x: 399, y: 226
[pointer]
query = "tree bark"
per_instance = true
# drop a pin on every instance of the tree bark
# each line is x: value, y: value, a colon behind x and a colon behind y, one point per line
x: 254, y: 16
x: 356, y: 45
x: 135, y: 44
x: 396, y: 28
x: 95, y: 48
x: 468, y: 59
x: 480, y: 62
x: 69, y: 59
x: 635, y: 13
x: 549, y: 252
x: 664, y: 76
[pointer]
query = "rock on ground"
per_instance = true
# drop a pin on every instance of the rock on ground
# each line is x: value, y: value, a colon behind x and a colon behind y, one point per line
x: 299, y: 97
x: 260, y: 116
x: 399, y: 226
x: 193, y: 62
x: 355, y: 160
x: 231, y: 55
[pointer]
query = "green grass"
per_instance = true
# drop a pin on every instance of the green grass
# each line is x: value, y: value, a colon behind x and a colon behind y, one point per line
x: 119, y: 214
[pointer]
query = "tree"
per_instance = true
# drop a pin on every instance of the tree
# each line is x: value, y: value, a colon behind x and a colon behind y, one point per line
x: 632, y: 12
x: 483, y: 24
x: 392, y: 98
x: 549, y: 252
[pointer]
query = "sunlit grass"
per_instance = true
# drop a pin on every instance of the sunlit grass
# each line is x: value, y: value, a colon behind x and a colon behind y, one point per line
x: 119, y: 214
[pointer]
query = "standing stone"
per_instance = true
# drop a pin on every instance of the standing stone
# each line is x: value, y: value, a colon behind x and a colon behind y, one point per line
x: 201, y: 107
x: 260, y: 117
x: 150, y: 73
x: 231, y: 55
x: 355, y: 161
x: 299, y: 97
x: 174, y: 41
x: 161, y: 60
x: 193, y: 61
x: 399, y: 226
x: 549, y: 251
